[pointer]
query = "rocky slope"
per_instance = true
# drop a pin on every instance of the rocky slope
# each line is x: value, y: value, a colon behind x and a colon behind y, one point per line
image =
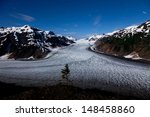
x: 27, y: 41
x: 131, y: 42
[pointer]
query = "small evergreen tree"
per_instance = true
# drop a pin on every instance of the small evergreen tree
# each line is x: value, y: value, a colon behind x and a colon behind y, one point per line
x: 65, y: 72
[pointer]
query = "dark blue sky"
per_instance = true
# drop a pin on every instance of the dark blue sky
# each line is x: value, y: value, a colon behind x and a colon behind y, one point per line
x: 78, y: 18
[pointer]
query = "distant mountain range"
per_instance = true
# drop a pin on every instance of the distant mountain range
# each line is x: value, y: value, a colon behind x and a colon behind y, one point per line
x: 27, y: 41
x: 131, y: 42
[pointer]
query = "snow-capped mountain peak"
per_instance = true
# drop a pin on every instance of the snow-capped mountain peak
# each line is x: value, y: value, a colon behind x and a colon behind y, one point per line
x: 131, y: 27
x: 94, y: 37
x: 134, y: 29
x: 28, y: 41
x: 25, y: 28
x: 111, y: 33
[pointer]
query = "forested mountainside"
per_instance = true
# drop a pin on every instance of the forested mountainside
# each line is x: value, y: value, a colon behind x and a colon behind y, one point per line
x: 133, y: 41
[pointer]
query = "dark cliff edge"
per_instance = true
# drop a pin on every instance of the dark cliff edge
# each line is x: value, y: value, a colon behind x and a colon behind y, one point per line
x: 146, y: 61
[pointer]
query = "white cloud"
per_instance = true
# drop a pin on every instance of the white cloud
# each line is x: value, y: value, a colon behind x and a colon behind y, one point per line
x: 76, y: 25
x: 71, y: 33
x: 97, y: 21
x: 65, y: 30
x: 23, y: 17
x: 144, y: 12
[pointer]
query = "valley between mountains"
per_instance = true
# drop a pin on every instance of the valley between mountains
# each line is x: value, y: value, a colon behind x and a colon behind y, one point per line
x: 87, y: 70
x: 31, y: 57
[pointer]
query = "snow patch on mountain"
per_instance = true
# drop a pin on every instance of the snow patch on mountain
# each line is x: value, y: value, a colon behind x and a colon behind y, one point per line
x: 71, y: 38
x: 133, y: 55
x: 5, y: 57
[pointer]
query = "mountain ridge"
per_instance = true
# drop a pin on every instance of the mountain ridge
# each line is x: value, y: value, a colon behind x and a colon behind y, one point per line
x: 131, y: 42
x: 27, y: 41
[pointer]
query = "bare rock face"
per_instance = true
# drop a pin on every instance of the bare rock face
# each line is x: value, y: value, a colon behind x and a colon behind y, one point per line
x: 126, y: 41
x: 26, y: 41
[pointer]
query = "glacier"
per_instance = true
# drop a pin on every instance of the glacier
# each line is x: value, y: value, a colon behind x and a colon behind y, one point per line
x: 87, y: 70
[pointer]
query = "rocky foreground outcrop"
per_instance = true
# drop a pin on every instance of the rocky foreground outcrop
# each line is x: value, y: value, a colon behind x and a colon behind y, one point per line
x: 27, y: 41
x: 131, y: 42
